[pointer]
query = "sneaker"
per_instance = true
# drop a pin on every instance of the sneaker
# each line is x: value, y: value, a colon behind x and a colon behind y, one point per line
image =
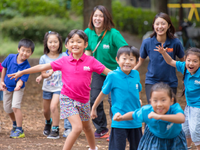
x: 12, y: 131
x: 189, y: 147
x: 18, y: 134
x: 96, y: 148
x: 102, y: 134
x: 108, y: 139
x: 54, y: 134
x: 67, y: 132
x: 47, y: 129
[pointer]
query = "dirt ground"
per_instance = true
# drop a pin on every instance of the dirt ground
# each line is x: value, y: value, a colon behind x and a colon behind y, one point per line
x: 33, y: 120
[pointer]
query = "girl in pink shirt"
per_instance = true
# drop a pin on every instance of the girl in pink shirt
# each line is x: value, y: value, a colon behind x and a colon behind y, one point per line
x: 1, y: 92
x: 76, y: 77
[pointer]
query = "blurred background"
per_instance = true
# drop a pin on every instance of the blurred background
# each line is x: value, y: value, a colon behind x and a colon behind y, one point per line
x: 32, y: 18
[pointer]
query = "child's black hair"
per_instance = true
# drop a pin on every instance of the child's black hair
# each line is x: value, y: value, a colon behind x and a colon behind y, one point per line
x: 163, y: 86
x: 66, y: 40
x: 26, y: 43
x: 128, y: 50
x: 194, y: 51
x: 46, y: 36
x: 80, y: 33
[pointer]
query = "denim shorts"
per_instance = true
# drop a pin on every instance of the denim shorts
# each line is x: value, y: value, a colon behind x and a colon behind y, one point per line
x: 191, y: 126
x: 49, y: 95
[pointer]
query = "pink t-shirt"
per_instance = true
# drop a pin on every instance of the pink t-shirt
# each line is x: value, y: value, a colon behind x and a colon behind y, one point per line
x: 76, y: 75
x: 1, y: 67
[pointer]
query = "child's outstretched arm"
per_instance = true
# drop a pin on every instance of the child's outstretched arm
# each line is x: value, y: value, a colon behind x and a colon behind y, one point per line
x: 106, y: 71
x: 96, y: 104
x: 167, y: 58
x: 37, y: 68
x: 175, y: 118
x: 119, y: 117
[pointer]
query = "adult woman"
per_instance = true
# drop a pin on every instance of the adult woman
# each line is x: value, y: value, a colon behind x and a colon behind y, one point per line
x: 100, y: 29
x: 158, y: 69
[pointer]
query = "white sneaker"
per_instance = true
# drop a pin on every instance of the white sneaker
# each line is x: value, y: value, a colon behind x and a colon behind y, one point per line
x: 66, y: 132
x: 96, y: 148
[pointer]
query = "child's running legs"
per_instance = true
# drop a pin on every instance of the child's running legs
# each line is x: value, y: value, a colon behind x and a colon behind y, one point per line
x: 48, y: 122
x: 77, y: 127
x: 89, y: 133
x: 55, y: 117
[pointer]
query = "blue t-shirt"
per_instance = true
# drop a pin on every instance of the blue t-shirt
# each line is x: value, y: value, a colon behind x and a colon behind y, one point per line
x: 192, y: 85
x: 158, y: 69
x: 160, y: 128
x: 54, y: 82
x: 10, y: 63
x: 124, y: 95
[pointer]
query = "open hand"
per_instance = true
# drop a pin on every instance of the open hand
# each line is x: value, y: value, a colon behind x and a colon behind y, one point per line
x: 153, y: 115
x: 15, y: 75
x: 160, y: 49
x: 117, y: 117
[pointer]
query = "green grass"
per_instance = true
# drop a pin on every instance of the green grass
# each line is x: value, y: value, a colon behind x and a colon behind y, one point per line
x: 9, y: 46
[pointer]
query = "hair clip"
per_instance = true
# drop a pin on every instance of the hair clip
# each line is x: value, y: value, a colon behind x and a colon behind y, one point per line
x: 49, y: 31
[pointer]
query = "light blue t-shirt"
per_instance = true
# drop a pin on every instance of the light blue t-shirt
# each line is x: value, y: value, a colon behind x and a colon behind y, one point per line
x: 160, y: 128
x: 54, y: 82
x: 124, y: 95
x: 192, y: 85
x: 158, y: 69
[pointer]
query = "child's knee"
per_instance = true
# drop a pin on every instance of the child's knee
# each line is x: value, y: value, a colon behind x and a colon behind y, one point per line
x: 15, y: 110
x: 87, y: 128
x: 7, y: 109
x: 78, y: 129
x: 54, y: 108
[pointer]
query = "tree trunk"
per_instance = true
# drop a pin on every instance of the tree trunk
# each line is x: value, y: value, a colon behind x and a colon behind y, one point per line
x: 88, y: 7
x: 159, y: 6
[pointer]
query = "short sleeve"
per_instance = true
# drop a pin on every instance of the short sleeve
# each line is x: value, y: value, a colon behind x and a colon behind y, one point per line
x: 179, y: 49
x: 138, y: 115
x: 107, y: 84
x: 42, y: 60
x: 176, y: 108
x: 5, y: 62
x: 1, y: 68
x: 143, y: 51
x: 180, y: 66
x: 97, y: 66
x: 87, y: 32
x: 57, y: 64
x: 118, y: 40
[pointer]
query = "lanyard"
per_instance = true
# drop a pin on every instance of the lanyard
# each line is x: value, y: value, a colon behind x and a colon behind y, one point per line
x: 99, y: 42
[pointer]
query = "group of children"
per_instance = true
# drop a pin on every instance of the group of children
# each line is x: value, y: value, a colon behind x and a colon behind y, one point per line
x: 67, y: 81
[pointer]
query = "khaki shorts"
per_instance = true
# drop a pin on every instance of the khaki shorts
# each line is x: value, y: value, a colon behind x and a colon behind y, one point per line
x: 12, y: 100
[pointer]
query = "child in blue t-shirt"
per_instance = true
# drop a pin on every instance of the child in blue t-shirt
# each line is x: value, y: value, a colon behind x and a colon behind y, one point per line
x: 163, y: 120
x: 13, y: 90
x: 191, y: 76
x: 124, y: 85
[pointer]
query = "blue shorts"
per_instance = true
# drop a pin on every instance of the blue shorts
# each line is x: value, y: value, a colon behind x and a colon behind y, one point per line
x: 191, y: 126
x: 49, y: 95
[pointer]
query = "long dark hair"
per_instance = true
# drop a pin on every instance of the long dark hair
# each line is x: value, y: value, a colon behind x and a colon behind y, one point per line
x: 108, y: 23
x: 170, y: 31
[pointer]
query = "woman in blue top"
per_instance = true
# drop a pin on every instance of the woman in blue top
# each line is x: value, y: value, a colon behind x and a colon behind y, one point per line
x: 158, y: 69
x: 163, y: 118
x: 190, y: 70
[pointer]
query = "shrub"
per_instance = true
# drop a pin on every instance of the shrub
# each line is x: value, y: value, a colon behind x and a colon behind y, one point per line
x: 10, y: 9
x: 135, y: 20
x: 35, y: 27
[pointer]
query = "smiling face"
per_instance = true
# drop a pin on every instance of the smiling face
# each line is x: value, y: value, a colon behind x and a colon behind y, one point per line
x: 192, y: 63
x: 53, y: 43
x: 126, y: 62
x: 161, y: 26
x: 76, y: 45
x: 161, y: 101
x: 24, y: 53
x: 98, y: 19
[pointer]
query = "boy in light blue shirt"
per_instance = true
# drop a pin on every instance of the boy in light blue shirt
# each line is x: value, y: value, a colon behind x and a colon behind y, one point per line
x: 124, y: 85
